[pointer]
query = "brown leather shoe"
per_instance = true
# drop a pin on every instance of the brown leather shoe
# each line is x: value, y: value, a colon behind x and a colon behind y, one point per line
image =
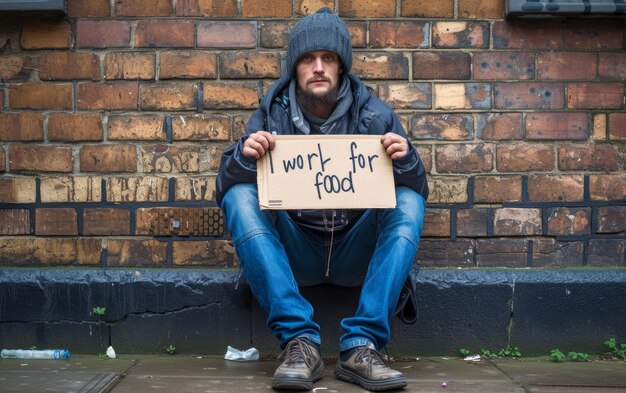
x: 301, y: 366
x: 367, y: 368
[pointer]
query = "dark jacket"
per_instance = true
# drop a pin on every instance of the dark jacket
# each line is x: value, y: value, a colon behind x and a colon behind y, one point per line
x: 370, y: 116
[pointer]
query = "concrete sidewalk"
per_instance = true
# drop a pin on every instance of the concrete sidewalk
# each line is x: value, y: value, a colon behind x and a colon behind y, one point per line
x: 182, y: 374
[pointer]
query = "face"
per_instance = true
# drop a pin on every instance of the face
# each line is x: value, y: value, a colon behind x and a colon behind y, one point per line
x: 318, y: 73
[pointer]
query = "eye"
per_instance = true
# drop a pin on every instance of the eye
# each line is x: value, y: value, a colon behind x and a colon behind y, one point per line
x: 329, y: 57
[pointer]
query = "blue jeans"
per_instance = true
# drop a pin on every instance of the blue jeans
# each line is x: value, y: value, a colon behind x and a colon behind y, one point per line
x: 277, y: 255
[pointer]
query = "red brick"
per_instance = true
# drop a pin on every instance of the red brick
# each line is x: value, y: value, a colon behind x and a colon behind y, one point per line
x: 227, y: 34
x: 75, y: 127
x: 595, y: 95
x: 552, y: 253
x: 17, y: 189
x: 42, y: 158
x: 557, y: 125
x: 169, y: 97
x: 50, y: 251
x: 88, y: 9
x: 367, y: 8
x: 447, y: 189
x: 132, y: 252
x: 40, y: 96
x: 599, y: 127
x: 426, y: 156
x: 358, y: 33
x: 612, y: 66
x: 529, y: 95
x: 607, y: 187
x: 109, y: 96
x: 460, y: 34
x: 504, y: 65
x: 14, y: 222
x: 136, y: 127
x: 601, y: 33
x: 143, y: 8
x: 201, y: 128
x: 108, y: 158
x: 464, y: 158
x: 219, y: 95
x: 170, y: 159
x: 15, y: 67
x: 517, y: 222
x: 3, y: 165
x: 472, y: 222
x: 242, y: 65
x: 129, y: 65
x: 102, y: 33
x: 393, y: 34
x: 427, y: 9
x: 436, y: 223
x: 565, y: 221
x: 501, y: 253
x: 555, y: 188
x: 441, y: 65
x: 22, y: 127
x: 524, y: 158
x: 527, y: 35
x: 497, y: 189
x: 274, y: 34
x: 200, y: 253
x: 187, y: 65
x: 590, y: 157
x: 499, y: 126
x: 207, y: 8
x: 380, y: 65
x: 558, y: 65
x: 46, y: 35
x: 56, y: 222
x: 462, y: 96
x: 307, y: 7
x: 106, y: 221
x: 164, y: 33
x: 266, y: 9
x: 446, y: 253
x: 612, y: 219
x: 450, y: 127
x: 406, y: 95
x: 617, y: 126
x: 69, y: 66
x: 481, y: 9
x: 606, y: 252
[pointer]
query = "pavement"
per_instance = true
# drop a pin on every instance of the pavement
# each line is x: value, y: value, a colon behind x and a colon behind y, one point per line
x: 182, y: 374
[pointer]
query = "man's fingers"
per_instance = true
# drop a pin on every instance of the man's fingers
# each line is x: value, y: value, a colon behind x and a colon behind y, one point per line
x: 395, y: 145
x: 257, y: 144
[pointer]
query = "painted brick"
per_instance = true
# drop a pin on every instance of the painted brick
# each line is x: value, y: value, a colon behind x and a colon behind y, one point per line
x: 499, y: 126
x: 170, y: 159
x: 64, y: 189
x: 529, y: 95
x: 200, y: 253
x: 617, y: 126
x: 75, y: 127
x: 594, y: 34
x: 526, y: 35
x: 239, y: 124
x: 367, y: 8
x: 227, y: 34
x: 175, y: 97
x: 88, y: 9
x: 306, y: 7
x: 504, y: 65
x: 50, y: 251
x: 524, y: 157
x: 136, y: 127
x: 69, y: 66
x: 215, y: 152
x: 106, y: 221
x: 380, y: 65
x: 129, y: 65
x: 557, y: 125
x: 569, y: 221
x: 102, y: 33
x: 274, y: 34
x: 427, y: 9
x: 472, y: 222
x: 552, y: 253
x: 46, y: 35
x: 481, y: 9
x: 590, y: 157
x: 607, y: 187
x: 358, y: 33
x: 462, y: 96
x: 187, y: 64
x: 266, y: 9
x: 219, y: 95
x: 517, y: 222
x: 497, y: 189
x: 612, y: 219
x: 446, y: 253
x: 164, y: 33
x: 207, y: 8
x: 606, y: 252
x: 41, y: 158
x: 17, y: 189
x: 132, y: 252
x: 14, y: 222
x: 191, y: 188
x: 558, y: 65
x: 406, y: 95
x: 15, y: 67
x: 436, y: 223
x: 447, y: 189
x: 161, y: 221
x: 55, y: 222
x: 249, y: 65
x: 137, y: 189
x: 612, y: 66
x: 595, y: 95
x: 22, y: 126
x: 464, y: 158
x: 393, y: 34
x: 40, y: 96
x: 501, y: 253
x: 143, y: 8
x: 450, y: 127
x: 599, y: 126
x: 555, y: 188
x: 441, y: 65
x: 461, y: 35
x: 201, y: 128
x: 108, y: 158
x: 111, y: 96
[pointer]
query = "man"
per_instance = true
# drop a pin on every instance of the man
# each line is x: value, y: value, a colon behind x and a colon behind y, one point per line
x: 278, y: 250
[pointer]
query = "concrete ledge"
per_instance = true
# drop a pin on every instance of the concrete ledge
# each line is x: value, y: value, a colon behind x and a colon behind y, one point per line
x: 203, y: 311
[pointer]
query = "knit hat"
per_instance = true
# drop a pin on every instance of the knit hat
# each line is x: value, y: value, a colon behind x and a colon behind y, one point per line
x: 322, y: 30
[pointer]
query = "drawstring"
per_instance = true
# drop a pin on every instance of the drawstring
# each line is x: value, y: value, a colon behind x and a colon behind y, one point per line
x: 332, y: 235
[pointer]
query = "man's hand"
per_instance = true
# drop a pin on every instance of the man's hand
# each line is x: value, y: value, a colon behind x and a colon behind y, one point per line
x: 257, y: 144
x: 395, y: 145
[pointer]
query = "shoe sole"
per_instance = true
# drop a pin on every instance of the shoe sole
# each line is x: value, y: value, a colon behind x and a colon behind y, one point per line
x: 295, y: 383
x: 379, y: 386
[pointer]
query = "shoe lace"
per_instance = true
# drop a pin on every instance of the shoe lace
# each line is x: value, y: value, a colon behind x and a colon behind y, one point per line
x: 293, y: 353
x: 372, y: 357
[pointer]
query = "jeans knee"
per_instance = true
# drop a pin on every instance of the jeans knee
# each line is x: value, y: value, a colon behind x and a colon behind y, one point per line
x: 243, y: 216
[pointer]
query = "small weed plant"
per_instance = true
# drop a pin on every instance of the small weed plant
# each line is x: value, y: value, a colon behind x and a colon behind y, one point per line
x: 171, y: 350
x: 510, y: 352
x: 578, y: 356
x: 557, y: 355
x: 463, y: 352
x: 619, y: 350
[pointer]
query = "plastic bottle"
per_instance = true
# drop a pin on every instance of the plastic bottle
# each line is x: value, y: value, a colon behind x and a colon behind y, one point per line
x: 35, y: 354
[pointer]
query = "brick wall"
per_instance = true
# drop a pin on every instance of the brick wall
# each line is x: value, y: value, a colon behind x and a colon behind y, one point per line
x: 113, y: 118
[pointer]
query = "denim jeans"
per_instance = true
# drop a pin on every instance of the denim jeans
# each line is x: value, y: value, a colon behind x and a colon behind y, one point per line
x: 277, y: 255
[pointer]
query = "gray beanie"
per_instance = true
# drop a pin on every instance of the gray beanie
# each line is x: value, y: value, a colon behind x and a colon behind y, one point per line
x: 322, y: 30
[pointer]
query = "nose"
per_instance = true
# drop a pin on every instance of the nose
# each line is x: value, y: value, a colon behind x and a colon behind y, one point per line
x: 318, y: 65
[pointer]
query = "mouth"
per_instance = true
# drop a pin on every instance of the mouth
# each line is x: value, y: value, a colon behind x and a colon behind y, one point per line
x: 316, y: 81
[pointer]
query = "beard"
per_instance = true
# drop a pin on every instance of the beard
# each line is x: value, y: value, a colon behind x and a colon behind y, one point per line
x: 309, y: 100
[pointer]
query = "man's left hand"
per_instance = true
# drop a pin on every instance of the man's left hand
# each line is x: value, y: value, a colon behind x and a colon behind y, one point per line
x: 395, y: 145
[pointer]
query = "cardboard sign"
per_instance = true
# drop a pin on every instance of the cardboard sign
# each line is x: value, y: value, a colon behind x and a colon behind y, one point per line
x: 326, y: 172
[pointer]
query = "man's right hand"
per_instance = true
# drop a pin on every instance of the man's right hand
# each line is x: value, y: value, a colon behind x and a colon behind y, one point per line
x: 257, y: 144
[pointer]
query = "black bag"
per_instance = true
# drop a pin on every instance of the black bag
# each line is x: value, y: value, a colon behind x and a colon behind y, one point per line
x: 406, y: 308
